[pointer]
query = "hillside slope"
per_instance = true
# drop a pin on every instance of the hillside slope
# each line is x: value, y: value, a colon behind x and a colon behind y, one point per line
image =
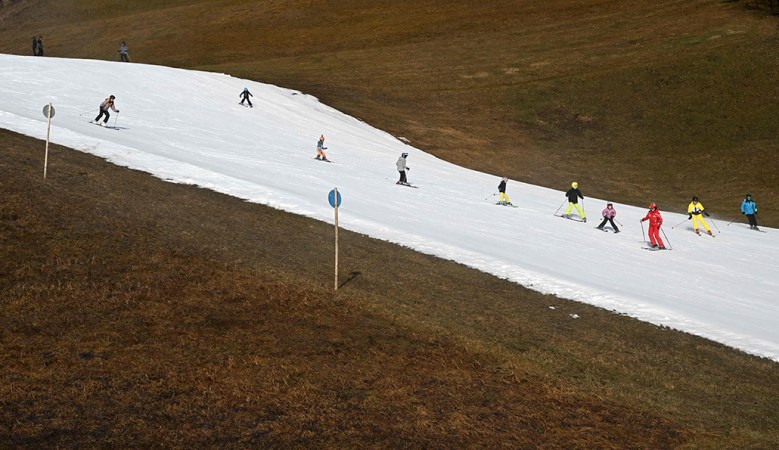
x: 638, y: 103
x: 136, y: 312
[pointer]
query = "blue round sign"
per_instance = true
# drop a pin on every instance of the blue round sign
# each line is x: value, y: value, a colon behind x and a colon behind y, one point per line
x: 331, y: 198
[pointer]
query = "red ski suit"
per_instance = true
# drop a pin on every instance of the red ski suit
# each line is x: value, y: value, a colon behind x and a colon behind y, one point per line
x: 655, y: 220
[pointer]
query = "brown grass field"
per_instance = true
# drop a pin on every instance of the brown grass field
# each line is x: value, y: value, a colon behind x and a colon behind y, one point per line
x: 137, y: 313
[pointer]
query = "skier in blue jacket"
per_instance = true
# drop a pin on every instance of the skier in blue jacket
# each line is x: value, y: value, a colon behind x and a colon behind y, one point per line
x: 749, y: 208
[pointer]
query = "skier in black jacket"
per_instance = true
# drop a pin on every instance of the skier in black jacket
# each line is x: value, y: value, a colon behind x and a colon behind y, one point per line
x: 574, y: 194
x: 246, y: 94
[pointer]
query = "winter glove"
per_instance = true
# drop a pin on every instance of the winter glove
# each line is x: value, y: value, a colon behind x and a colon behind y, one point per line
x: 707, y: 214
x: 742, y: 212
x: 690, y: 218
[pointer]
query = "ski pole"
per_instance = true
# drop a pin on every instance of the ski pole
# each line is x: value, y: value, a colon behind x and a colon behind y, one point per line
x: 685, y: 220
x: 491, y: 195
x: 643, y: 235
x: 623, y: 226
x: 558, y: 209
x: 715, y: 225
x: 666, y: 238
x: 116, y: 118
x: 732, y: 221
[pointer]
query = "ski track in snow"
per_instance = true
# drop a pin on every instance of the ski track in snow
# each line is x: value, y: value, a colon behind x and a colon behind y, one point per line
x: 187, y: 127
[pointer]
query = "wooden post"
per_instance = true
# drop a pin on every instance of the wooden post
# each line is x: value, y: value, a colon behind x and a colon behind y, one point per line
x: 48, y: 134
x: 336, y: 238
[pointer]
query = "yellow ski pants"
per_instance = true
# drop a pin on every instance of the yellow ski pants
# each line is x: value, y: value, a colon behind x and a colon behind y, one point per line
x: 504, y: 197
x: 696, y: 218
x: 578, y: 208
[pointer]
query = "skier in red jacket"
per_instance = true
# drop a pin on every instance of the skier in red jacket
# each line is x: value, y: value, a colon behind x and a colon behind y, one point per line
x: 655, y: 220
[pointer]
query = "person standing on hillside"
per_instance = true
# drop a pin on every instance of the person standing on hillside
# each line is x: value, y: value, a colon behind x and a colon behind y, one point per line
x: 749, y: 208
x: 123, y: 55
x: 402, y: 168
x: 320, y: 149
x: 608, y: 216
x: 246, y: 94
x: 34, y: 46
x: 574, y: 194
x: 655, y: 221
x: 696, y: 211
x: 107, y: 103
x: 39, y: 44
x: 504, y: 199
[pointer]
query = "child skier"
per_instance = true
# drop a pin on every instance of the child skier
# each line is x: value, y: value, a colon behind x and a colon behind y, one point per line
x: 574, y: 194
x: 749, y: 208
x: 655, y: 221
x: 402, y: 168
x: 320, y: 149
x: 694, y: 210
x: 608, y: 216
x: 246, y: 94
x: 504, y: 199
x: 107, y: 103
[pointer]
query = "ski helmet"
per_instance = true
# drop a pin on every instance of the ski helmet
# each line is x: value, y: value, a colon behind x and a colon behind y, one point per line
x: 695, y: 198
x: 505, y: 178
x: 652, y: 206
x: 404, y: 155
x: 574, y: 185
x: 111, y: 97
x: 749, y: 196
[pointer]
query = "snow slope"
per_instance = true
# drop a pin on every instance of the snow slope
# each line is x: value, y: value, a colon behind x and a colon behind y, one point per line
x: 187, y: 127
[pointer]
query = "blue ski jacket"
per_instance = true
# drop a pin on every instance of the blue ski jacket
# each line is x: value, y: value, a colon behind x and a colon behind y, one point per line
x: 748, y: 207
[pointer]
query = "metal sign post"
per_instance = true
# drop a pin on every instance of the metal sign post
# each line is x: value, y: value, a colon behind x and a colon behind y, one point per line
x: 48, y: 111
x: 335, y: 201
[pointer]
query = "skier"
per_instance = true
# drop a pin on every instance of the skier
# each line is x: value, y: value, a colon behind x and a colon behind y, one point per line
x: 107, y: 103
x: 246, y: 94
x: 574, y: 194
x: 40, y: 46
x: 694, y: 210
x: 655, y: 221
x: 608, y: 216
x: 34, y: 46
x: 124, y: 57
x: 504, y: 199
x: 749, y: 208
x: 320, y: 149
x: 402, y: 168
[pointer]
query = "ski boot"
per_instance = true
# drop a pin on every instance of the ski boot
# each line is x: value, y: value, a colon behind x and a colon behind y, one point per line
x: 697, y: 232
x: 584, y: 219
x: 709, y: 231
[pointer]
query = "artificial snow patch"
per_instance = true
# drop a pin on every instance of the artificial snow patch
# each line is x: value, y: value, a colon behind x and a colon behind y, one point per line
x: 574, y: 316
x: 263, y: 155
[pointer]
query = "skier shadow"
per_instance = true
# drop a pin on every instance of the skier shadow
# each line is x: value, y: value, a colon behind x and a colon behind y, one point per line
x: 117, y: 128
x: 352, y: 276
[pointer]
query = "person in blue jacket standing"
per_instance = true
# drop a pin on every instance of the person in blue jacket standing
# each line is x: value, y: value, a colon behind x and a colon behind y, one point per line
x: 749, y: 208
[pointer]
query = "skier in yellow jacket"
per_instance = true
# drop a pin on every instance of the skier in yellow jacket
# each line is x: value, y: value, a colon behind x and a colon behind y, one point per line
x: 696, y: 212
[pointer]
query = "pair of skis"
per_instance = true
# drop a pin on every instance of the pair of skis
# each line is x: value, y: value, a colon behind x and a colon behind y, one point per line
x: 105, y: 126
